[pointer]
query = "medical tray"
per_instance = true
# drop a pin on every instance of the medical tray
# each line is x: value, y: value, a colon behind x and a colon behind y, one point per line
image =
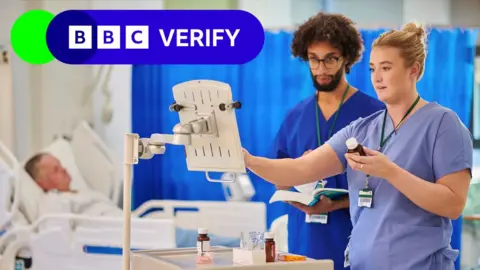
x: 185, y: 259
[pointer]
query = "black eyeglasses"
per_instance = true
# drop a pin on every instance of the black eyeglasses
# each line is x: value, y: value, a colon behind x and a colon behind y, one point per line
x: 328, y: 62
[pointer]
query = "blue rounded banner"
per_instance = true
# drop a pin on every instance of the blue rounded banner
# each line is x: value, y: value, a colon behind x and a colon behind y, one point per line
x: 92, y: 37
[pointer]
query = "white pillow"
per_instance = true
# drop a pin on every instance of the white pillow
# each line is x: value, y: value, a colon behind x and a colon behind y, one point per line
x: 31, y: 193
x: 94, y: 160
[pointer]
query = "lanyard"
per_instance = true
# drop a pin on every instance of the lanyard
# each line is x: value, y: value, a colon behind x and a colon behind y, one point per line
x: 384, y: 141
x: 334, y: 120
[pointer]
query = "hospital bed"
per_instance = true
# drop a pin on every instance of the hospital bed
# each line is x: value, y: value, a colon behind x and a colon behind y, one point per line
x: 54, y: 241
x: 57, y: 241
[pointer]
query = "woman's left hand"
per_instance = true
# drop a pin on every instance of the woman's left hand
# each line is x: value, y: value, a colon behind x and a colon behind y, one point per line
x: 374, y: 164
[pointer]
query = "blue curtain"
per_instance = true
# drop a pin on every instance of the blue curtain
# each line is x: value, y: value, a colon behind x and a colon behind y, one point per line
x: 166, y: 176
x: 267, y: 87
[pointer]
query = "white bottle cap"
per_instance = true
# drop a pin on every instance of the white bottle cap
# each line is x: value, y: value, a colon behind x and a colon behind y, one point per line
x: 352, y: 143
x: 268, y: 235
x: 24, y: 253
x: 202, y: 231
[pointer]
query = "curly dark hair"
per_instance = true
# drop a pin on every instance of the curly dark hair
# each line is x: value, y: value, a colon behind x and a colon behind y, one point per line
x: 336, y: 29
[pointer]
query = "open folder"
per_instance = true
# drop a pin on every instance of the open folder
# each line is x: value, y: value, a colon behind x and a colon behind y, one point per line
x: 308, y: 199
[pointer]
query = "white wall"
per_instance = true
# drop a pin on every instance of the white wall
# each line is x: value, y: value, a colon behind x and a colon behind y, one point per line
x: 370, y: 13
x: 10, y: 10
x: 120, y: 87
x: 465, y: 12
x: 6, y: 101
x: 435, y: 12
x: 302, y: 10
x: 281, y: 13
x: 45, y: 98
x: 56, y: 88
x: 281, y: 17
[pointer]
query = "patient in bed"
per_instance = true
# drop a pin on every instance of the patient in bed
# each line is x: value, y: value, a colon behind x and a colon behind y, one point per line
x: 55, y: 181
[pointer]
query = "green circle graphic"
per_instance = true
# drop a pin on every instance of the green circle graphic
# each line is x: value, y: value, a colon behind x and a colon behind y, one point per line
x: 29, y: 37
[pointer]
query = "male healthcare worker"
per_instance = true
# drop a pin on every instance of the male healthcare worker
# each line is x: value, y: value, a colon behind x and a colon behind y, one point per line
x: 331, y: 45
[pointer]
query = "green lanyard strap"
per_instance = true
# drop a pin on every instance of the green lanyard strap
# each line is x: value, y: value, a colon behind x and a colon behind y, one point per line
x: 384, y: 141
x: 334, y: 120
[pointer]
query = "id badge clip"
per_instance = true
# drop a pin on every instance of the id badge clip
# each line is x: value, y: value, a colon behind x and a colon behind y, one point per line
x: 365, y: 198
x: 321, y: 218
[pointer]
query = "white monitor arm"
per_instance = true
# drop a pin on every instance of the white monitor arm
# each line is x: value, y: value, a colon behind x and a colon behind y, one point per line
x: 208, y: 131
x: 182, y: 134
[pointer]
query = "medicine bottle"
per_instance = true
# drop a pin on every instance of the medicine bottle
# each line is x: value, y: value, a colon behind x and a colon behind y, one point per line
x: 203, y: 241
x: 23, y: 260
x: 270, y: 251
x: 354, y: 147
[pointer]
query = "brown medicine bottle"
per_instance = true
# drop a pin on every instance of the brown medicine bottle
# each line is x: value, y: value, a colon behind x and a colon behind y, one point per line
x: 270, y: 251
x: 203, y: 241
x: 354, y: 147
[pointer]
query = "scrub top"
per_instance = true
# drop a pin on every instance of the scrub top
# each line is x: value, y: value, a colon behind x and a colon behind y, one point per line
x: 297, y: 134
x: 395, y: 233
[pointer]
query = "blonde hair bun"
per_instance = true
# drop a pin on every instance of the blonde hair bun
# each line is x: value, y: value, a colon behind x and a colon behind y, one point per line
x: 411, y: 40
x: 417, y: 29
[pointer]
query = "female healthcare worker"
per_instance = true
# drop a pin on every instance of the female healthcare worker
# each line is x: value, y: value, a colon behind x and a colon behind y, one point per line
x: 404, y: 193
x: 331, y: 45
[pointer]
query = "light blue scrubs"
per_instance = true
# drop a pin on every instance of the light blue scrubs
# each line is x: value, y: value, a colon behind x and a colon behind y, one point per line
x: 297, y: 134
x: 395, y: 233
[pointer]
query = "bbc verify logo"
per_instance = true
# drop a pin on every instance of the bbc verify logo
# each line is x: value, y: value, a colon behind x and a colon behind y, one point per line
x: 137, y: 37
x: 146, y: 37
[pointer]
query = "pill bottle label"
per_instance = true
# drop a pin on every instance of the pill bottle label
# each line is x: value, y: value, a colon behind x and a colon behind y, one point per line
x: 19, y: 265
x: 203, y: 246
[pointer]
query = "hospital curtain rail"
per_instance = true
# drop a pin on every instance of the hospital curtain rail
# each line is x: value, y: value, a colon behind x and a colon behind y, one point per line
x: 268, y: 87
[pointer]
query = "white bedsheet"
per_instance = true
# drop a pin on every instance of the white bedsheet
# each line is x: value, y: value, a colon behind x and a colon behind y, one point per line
x: 91, y: 203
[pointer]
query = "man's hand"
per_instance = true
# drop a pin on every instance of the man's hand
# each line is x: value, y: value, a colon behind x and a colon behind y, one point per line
x: 282, y: 187
x: 323, y: 206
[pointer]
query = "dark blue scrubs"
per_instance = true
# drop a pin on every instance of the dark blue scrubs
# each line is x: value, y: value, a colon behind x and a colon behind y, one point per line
x: 297, y: 134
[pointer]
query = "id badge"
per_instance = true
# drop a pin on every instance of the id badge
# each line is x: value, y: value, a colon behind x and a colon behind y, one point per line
x: 346, y: 262
x: 365, y: 198
x: 322, y: 218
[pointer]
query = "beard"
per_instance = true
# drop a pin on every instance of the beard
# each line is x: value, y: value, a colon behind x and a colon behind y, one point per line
x: 332, y: 85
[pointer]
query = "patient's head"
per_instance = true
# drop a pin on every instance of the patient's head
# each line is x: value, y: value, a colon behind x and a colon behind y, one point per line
x: 48, y: 173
